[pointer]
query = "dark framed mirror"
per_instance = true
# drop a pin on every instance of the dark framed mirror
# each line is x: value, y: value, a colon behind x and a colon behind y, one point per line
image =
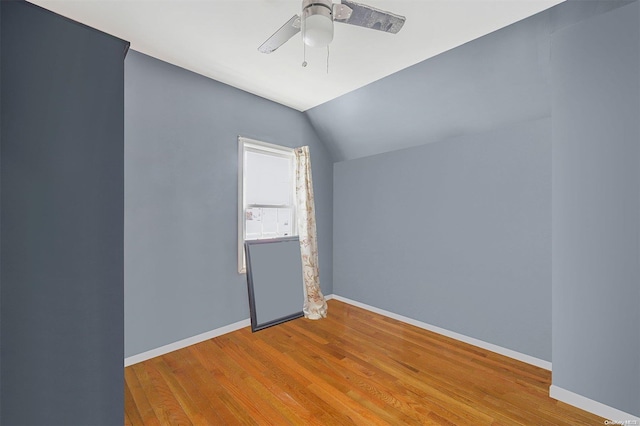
x: 274, y: 281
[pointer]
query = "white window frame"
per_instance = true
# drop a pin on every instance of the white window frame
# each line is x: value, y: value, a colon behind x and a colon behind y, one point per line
x: 252, y: 145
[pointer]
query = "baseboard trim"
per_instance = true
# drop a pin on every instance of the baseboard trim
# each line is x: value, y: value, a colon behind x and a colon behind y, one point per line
x: 595, y: 407
x: 461, y: 337
x: 134, y: 359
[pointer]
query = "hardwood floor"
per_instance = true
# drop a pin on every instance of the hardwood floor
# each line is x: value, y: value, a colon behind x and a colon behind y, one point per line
x: 354, y: 367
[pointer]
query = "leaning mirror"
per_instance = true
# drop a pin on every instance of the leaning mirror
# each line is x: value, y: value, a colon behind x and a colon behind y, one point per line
x: 274, y: 281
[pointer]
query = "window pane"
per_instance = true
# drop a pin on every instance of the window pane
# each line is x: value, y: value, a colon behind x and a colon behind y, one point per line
x: 268, y: 179
x: 267, y: 193
x: 284, y: 222
x: 253, y: 224
x: 264, y: 222
x: 269, y: 223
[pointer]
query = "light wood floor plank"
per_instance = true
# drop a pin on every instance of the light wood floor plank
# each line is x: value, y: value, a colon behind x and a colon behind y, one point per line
x: 162, y: 400
x: 133, y: 412
x: 354, y: 367
x: 139, y: 403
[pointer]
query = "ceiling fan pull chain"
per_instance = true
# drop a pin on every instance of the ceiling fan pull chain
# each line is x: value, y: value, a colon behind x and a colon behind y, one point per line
x: 327, y: 59
x: 304, y: 48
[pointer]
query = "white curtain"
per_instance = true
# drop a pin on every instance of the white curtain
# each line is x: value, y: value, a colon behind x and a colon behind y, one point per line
x: 315, y: 307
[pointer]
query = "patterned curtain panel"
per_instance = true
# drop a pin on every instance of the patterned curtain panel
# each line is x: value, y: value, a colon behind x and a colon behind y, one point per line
x: 315, y: 307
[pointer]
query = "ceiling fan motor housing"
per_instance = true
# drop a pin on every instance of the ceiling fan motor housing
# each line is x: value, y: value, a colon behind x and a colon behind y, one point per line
x: 317, y: 22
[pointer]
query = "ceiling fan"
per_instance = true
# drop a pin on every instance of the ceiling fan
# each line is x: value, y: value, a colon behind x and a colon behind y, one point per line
x: 317, y: 22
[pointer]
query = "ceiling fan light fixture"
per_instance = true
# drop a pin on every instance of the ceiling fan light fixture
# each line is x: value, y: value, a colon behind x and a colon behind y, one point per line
x: 317, y: 22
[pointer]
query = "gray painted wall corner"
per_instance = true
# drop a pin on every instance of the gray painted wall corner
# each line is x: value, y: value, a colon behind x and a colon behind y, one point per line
x: 456, y: 234
x: 596, y: 209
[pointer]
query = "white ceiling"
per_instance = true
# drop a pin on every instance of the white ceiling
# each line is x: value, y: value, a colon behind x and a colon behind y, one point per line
x: 219, y: 39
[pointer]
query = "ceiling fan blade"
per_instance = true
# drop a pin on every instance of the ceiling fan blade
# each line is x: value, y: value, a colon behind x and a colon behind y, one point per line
x: 280, y: 37
x: 367, y: 16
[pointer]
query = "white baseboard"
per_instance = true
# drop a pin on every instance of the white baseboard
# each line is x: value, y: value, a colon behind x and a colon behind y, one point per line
x: 472, y: 341
x: 595, y: 407
x: 186, y: 342
x: 134, y: 359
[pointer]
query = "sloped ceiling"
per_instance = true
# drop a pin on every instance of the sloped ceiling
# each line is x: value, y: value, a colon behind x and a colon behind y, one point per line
x: 494, y: 81
x: 219, y: 39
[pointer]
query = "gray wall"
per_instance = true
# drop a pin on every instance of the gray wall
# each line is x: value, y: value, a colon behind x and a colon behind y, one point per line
x: 0, y: 210
x: 596, y: 209
x: 456, y: 234
x: 62, y: 220
x: 491, y: 82
x: 181, y: 189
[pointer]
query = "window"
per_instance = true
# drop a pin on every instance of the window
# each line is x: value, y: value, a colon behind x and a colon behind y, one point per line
x: 266, y: 193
